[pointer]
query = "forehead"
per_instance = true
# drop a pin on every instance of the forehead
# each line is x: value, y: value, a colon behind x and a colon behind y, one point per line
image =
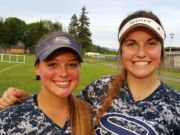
x: 63, y: 51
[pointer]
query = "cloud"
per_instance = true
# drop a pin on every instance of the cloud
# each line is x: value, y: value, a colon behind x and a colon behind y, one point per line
x: 105, y: 16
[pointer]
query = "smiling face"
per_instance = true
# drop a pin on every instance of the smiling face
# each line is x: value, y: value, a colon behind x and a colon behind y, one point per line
x: 59, y: 73
x: 141, y: 52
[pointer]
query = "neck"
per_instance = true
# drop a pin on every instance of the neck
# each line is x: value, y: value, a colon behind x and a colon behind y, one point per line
x: 142, y: 87
x: 48, y: 101
x: 56, y: 108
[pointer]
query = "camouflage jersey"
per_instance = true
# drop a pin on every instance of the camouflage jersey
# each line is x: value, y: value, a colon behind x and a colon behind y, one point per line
x: 25, y: 118
x: 158, y: 114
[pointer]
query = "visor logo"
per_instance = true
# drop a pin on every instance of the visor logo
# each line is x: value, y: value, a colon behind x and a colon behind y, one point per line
x: 61, y: 40
x: 139, y: 21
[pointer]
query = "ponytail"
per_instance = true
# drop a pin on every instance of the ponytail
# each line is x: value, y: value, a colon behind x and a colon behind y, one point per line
x: 112, y: 94
x: 80, y: 116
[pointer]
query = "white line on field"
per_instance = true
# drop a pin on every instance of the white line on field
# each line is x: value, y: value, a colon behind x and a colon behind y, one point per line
x: 9, y: 68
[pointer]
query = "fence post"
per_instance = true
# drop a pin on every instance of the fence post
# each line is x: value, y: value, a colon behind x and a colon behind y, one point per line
x: 1, y: 57
x: 172, y: 61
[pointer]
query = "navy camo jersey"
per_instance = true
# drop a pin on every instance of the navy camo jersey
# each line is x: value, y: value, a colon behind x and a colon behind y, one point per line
x: 25, y: 118
x: 158, y: 114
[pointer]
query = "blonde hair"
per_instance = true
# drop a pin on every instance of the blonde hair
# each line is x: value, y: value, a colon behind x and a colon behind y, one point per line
x: 121, y: 78
x: 79, y: 111
x: 80, y: 116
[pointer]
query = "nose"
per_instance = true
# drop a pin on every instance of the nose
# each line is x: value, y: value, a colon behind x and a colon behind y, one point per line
x: 62, y: 71
x: 141, y: 52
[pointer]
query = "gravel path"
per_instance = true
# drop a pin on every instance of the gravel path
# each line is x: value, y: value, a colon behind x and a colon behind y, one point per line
x: 158, y: 76
x: 168, y: 78
x: 109, y: 64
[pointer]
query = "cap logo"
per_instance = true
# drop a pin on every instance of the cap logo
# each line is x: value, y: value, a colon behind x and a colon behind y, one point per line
x: 61, y: 40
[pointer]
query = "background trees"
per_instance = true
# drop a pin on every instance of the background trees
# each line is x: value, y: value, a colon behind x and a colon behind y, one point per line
x: 56, y: 26
x: 15, y: 28
x: 34, y: 35
x: 84, y: 34
x: 79, y: 28
x: 14, y: 31
x: 73, y: 26
x: 5, y: 37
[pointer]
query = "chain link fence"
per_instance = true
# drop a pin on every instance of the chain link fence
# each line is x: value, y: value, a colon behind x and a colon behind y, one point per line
x: 103, y: 57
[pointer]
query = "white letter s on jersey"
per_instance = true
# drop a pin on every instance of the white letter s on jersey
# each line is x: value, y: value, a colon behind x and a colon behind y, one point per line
x: 117, y: 129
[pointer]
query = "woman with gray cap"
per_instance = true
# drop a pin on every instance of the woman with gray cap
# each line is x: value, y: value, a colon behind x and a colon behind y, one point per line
x: 55, y: 110
x: 134, y: 101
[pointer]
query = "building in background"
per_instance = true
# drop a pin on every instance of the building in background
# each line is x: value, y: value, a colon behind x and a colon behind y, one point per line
x: 20, y: 48
x: 172, y: 59
x: 174, y: 50
x: 91, y: 54
x: 17, y: 49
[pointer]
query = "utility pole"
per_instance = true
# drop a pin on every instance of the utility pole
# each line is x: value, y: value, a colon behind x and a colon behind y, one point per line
x: 171, y: 34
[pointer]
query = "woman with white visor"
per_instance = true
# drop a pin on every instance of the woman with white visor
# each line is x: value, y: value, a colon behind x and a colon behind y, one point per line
x: 134, y: 101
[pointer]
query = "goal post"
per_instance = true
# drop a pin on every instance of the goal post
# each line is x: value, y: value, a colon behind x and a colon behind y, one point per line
x: 12, y: 58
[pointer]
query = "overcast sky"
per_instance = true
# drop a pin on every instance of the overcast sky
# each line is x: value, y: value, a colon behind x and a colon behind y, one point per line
x: 105, y: 15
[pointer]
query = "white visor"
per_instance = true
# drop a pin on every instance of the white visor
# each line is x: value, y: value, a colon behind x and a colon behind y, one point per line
x: 142, y: 22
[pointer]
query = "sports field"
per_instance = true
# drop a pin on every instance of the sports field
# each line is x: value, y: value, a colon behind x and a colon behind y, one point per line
x: 22, y: 75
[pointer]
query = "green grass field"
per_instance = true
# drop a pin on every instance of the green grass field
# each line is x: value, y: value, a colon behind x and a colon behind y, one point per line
x: 173, y: 84
x: 23, y: 76
x: 169, y: 72
x: 101, y: 60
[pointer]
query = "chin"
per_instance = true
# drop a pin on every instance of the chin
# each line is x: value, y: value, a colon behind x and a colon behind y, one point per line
x: 63, y: 95
x: 141, y: 75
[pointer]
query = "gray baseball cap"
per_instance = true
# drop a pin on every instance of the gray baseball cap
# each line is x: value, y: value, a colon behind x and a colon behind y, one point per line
x: 51, y: 44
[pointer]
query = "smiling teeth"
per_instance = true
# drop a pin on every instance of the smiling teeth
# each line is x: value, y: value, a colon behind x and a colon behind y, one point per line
x: 62, y: 83
x: 141, y: 63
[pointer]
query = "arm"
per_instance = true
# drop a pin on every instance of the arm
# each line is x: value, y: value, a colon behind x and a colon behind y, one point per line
x: 12, y: 96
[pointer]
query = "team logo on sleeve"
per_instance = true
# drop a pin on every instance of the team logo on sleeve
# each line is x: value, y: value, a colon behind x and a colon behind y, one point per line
x: 115, y: 128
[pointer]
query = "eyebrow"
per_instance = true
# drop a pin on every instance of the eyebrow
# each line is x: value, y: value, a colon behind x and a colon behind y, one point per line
x: 74, y: 59
x: 147, y: 40
x: 50, y: 59
x: 130, y: 40
x: 152, y: 39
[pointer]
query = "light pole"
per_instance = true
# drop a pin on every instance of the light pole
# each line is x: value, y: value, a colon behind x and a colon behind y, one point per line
x: 171, y: 34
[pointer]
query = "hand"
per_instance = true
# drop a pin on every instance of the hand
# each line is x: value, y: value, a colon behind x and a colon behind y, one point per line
x: 12, y: 96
